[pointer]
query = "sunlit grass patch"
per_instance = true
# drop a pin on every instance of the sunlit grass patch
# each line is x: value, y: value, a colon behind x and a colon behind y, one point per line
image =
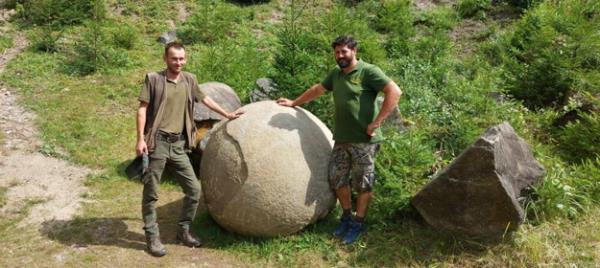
x: 6, y: 42
x: 3, y: 191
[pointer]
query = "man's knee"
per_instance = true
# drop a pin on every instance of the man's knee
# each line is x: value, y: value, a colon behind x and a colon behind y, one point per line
x: 194, y: 190
x: 365, y: 180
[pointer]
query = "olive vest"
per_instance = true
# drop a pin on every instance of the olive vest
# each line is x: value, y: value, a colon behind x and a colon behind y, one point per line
x: 157, y: 83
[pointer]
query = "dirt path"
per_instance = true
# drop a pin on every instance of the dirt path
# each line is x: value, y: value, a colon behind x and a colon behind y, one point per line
x: 51, y: 188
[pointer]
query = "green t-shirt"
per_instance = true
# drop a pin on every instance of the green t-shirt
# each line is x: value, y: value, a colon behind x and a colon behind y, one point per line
x: 173, y: 119
x: 354, y: 96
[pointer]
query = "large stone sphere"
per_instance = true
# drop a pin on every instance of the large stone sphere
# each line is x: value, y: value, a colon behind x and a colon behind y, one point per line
x: 265, y: 173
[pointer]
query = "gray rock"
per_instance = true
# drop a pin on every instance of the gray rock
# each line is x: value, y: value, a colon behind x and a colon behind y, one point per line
x: 167, y: 37
x: 265, y: 173
x: 265, y: 91
x: 477, y: 193
x: 497, y: 97
x: 223, y: 95
x: 394, y: 120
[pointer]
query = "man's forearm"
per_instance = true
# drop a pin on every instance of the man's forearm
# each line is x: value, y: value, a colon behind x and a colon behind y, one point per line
x: 210, y: 103
x: 140, y: 123
x: 309, y: 95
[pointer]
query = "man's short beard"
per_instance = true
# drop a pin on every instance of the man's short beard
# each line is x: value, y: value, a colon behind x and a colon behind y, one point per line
x: 174, y: 70
x: 343, y: 63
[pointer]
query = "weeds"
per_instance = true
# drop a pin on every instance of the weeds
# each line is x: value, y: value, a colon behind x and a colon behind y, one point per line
x: 470, y: 8
x: 3, y: 191
x: 6, y: 42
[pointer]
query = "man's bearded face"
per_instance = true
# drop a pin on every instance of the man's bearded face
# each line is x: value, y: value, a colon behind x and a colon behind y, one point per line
x: 344, y: 56
x: 175, y: 60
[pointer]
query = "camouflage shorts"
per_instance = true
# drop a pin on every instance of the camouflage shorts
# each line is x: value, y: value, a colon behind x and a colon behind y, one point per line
x: 353, y: 162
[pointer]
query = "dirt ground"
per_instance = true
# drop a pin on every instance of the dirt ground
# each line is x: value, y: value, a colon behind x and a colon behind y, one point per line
x: 54, y: 185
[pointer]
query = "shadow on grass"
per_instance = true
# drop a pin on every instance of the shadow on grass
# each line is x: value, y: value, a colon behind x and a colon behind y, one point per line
x: 216, y: 237
x: 82, y: 232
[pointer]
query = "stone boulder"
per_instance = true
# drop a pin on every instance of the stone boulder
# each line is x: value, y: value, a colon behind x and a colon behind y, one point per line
x: 476, y: 195
x: 167, y: 37
x: 266, y: 89
x: 222, y: 94
x: 265, y: 173
x: 394, y: 120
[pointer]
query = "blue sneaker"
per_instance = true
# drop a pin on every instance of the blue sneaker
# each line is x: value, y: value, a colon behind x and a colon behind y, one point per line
x: 356, y: 229
x: 343, y: 227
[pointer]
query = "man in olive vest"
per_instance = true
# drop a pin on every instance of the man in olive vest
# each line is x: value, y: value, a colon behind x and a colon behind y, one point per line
x: 165, y: 131
x: 355, y: 85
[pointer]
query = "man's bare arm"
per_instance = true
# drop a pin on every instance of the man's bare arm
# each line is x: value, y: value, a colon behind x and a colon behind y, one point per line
x: 140, y: 121
x: 310, y: 94
x: 392, y: 94
x: 217, y: 108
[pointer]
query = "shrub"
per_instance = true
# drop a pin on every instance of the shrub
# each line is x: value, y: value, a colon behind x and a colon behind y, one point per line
x: 469, y: 8
x: 61, y: 12
x: 587, y: 178
x: 404, y: 162
x: 45, y: 39
x: 550, y: 52
x: 438, y: 18
x: 566, y: 191
x: 9, y: 4
x: 214, y: 21
x: 523, y: 3
x: 95, y: 52
x: 237, y: 63
x: 125, y: 36
x: 395, y: 19
x: 580, y: 140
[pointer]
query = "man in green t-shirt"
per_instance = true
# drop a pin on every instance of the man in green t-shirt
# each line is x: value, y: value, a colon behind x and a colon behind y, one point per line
x: 165, y: 131
x: 355, y: 85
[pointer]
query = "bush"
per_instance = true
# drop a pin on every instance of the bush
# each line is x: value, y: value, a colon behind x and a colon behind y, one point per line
x: 125, y: 36
x: 566, y: 191
x: 580, y: 140
x: 237, y: 63
x: 95, y: 52
x: 61, y: 12
x: 214, y: 21
x: 550, y: 54
x: 443, y: 18
x: 469, y: 8
x: 45, y: 39
x: 395, y: 19
x: 9, y: 4
x: 523, y: 3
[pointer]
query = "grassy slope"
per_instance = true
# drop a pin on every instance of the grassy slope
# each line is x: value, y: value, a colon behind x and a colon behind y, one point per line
x: 92, y: 119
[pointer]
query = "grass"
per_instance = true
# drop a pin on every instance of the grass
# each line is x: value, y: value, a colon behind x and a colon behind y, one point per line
x: 1, y: 137
x: 92, y: 119
x: 3, y: 191
x: 6, y: 42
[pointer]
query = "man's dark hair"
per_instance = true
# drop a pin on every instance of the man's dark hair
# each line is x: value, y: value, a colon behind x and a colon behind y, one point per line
x: 176, y: 45
x: 344, y: 40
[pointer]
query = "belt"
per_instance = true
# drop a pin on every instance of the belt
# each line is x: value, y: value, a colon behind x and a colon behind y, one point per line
x: 168, y: 137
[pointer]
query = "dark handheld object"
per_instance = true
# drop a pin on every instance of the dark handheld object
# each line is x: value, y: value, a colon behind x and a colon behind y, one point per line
x: 138, y: 167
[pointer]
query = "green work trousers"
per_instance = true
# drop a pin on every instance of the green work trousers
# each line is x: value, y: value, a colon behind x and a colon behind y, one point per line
x: 172, y: 154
